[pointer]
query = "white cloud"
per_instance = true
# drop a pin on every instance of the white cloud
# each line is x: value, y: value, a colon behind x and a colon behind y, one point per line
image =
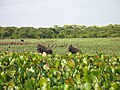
x: 50, y: 12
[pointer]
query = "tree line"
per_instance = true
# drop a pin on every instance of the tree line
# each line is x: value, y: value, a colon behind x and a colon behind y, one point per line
x: 66, y: 31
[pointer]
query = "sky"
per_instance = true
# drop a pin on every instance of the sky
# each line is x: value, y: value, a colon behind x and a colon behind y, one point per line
x: 47, y: 13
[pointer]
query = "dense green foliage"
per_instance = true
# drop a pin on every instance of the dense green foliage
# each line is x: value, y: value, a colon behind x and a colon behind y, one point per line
x: 67, y: 31
x: 32, y: 71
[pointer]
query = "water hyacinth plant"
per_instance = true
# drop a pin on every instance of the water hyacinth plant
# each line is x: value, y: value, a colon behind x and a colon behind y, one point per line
x: 31, y: 71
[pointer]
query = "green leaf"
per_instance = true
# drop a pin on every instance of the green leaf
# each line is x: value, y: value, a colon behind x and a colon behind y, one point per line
x: 10, y: 72
x: 87, y: 86
x: 108, y: 69
x: 97, y: 86
x: 63, y: 62
x: 117, y: 70
x: 115, y: 85
x: 71, y: 63
x: 1, y: 82
x: 85, y: 60
x: 43, y: 81
x: 66, y: 87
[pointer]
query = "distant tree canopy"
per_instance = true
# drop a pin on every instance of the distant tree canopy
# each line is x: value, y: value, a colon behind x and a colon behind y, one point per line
x: 66, y: 31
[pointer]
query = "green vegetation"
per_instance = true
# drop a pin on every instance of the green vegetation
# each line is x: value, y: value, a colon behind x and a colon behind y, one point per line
x: 87, y: 45
x: 32, y: 71
x: 67, y: 31
x: 97, y: 68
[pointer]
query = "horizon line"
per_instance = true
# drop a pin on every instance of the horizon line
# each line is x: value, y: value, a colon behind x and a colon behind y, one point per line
x: 56, y: 24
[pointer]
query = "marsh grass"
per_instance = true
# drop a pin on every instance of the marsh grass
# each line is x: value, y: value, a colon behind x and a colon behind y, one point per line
x: 87, y: 45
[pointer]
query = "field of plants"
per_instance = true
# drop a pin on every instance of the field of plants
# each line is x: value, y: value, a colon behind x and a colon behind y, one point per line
x: 59, y: 46
x: 33, y: 71
x: 97, y: 68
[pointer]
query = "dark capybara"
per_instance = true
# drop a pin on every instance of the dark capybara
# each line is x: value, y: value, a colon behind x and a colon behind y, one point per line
x: 73, y: 50
x: 41, y: 49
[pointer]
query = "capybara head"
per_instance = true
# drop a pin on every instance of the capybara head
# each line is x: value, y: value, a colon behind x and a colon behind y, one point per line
x: 72, y: 49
